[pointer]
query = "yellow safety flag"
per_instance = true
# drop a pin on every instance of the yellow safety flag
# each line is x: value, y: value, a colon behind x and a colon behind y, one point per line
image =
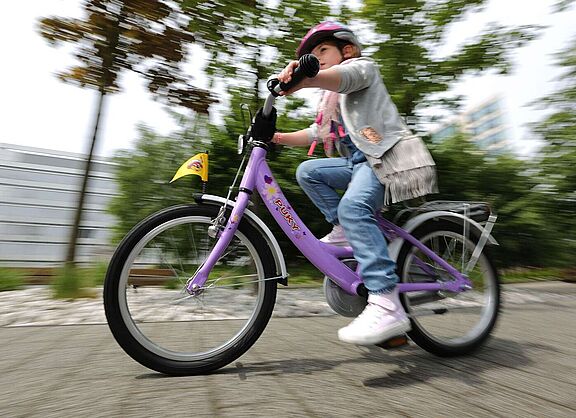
x: 196, y: 165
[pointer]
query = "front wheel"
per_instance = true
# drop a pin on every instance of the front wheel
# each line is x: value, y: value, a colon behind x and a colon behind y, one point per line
x: 444, y: 323
x: 156, y: 321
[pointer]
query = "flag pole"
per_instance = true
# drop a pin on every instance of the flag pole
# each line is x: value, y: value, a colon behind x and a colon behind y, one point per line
x: 204, y: 182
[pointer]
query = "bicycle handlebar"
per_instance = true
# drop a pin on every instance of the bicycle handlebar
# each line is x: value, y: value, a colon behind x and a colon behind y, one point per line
x: 308, y: 66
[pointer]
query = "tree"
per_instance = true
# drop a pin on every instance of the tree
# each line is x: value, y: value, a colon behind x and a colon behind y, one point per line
x: 247, y: 37
x: 555, y: 165
x: 464, y: 173
x: 145, y: 36
x: 409, y: 36
x: 249, y: 40
x: 144, y: 174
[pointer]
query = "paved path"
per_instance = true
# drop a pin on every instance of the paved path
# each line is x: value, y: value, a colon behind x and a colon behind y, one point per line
x: 299, y: 369
x: 35, y: 306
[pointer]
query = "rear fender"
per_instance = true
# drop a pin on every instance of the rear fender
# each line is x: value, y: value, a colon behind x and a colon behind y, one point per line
x: 419, y: 220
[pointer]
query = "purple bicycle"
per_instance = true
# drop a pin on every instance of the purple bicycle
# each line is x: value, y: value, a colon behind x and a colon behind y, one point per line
x: 192, y: 287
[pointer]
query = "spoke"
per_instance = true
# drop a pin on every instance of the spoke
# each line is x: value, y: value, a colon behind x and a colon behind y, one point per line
x: 232, y: 247
x: 450, y: 247
x: 193, y: 241
x: 425, y: 267
x: 193, y: 326
x: 446, y: 309
x: 435, y: 246
x: 182, y: 269
x: 213, y: 282
x: 168, y: 264
x: 212, y: 286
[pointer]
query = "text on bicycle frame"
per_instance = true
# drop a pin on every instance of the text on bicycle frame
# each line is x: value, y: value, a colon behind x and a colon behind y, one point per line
x: 286, y: 214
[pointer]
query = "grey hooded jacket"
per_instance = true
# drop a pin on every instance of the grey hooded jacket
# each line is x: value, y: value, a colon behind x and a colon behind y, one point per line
x: 399, y: 158
x: 370, y: 116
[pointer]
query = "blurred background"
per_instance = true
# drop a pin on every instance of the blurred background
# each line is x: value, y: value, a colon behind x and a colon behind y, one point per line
x: 104, y: 100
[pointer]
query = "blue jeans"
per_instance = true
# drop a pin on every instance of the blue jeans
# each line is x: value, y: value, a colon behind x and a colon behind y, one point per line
x: 355, y: 211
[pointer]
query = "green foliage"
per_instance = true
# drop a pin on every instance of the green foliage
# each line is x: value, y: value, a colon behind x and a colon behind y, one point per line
x: 10, y: 279
x: 558, y: 129
x: 71, y: 282
x: 554, y: 167
x: 250, y: 40
x: 522, y: 275
x: 562, y: 5
x: 96, y: 274
x: 523, y: 228
x: 145, y: 36
x: 143, y: 174
x: 244, y: 37
x: 409, y: 35
x: 304, y: 274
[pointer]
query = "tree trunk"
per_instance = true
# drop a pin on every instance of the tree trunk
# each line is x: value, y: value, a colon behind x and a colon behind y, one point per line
x: 71, y: 253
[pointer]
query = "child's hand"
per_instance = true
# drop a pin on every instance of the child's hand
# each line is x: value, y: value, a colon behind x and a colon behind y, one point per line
x: 286, y: 75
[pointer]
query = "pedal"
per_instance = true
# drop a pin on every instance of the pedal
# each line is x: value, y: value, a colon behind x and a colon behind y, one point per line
x: 398, y: 341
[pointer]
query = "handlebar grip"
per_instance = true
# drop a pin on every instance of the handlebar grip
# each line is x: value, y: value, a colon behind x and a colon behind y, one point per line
x: 308, y: 66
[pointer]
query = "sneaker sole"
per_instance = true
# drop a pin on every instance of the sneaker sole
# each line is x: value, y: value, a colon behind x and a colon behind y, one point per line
x: 399, y: 328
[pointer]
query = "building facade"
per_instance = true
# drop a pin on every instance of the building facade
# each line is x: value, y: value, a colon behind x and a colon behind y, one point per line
x: 39, y: 191
x: 484, y: 124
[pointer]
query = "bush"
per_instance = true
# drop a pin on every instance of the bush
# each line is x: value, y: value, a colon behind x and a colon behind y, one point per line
x: 11, y: 279
x: 304, y: 275
x: 96, y: 274
x: 531, y: 274
x: 71, y: 282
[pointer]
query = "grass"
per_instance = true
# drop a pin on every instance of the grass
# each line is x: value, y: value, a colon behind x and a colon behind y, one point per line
x: 532, y: 274
x: 306, y: 274
x: 80, y: 282
x: 96, y: 273
x: 71, y: 282
x: 11, y: 279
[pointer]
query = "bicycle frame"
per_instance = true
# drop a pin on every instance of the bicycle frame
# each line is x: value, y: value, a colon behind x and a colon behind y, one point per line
x: 325, y: 257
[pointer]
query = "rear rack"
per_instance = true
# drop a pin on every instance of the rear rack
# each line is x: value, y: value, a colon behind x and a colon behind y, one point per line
x: 478, y: 211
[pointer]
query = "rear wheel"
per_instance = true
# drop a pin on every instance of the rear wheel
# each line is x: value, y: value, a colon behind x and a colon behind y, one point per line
x: 158, y: 323
x: 446, y: 323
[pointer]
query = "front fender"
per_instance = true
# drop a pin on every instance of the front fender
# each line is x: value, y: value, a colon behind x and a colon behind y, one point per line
x: 257, y: 223
x: 413, y: 223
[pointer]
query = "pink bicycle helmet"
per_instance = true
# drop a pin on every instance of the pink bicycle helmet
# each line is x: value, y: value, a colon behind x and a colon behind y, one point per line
x: 322, y: 32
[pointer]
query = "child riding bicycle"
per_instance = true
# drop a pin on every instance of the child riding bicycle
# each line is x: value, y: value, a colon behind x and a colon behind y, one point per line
x: 380, y: 162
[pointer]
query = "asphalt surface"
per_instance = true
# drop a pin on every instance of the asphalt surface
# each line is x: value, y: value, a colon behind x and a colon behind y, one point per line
x: 298, y: 368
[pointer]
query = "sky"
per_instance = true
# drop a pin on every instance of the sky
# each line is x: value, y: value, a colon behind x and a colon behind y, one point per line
x: 38, y: 110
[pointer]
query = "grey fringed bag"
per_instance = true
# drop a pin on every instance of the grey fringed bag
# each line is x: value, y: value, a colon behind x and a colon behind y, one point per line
x: 407, y: 170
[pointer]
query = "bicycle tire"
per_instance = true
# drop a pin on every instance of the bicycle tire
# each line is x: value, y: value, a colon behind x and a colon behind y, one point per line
x: 429, y: 311
x: 168, y: 336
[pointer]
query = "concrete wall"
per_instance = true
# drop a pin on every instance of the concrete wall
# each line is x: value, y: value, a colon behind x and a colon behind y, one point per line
x: 39, y: 190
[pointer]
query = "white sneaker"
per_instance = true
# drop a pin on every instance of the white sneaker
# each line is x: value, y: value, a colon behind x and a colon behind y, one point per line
x: 383, y: 318
x: 335, y: 237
